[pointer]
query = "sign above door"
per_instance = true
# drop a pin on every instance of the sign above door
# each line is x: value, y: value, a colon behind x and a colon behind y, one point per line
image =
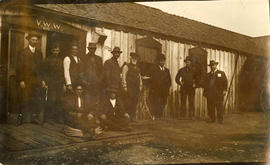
x: 43, y: 23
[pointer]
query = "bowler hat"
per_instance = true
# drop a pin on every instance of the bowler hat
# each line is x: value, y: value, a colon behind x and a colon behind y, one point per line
x: 134, y: 55
x: 212, y: 62
x: 32, y: 34
x: 161, y: 57
x: 92, y: 45
x: 188, y: 58
x: 111, y: 89
x: 116, y: 49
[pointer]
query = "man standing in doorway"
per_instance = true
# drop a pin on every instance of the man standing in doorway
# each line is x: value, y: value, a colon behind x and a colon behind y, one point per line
x: 131, y: 81
x: 30, y: 77
x: 72, y: 68
x: 92, y: 75
x: 112, y: 70
x: 214, y: 90
x: 186, y: 79
x: 160, y: 83
x: 55, y: 80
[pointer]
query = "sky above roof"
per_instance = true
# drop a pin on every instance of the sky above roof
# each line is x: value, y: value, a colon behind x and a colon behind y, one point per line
x: 248, y: 17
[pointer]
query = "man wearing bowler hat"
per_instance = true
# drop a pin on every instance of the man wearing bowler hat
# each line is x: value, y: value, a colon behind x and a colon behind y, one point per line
x: 112, y: 112
x: 92, y: 75
x: 112, y: 70
x: 30, y: 77
x: 215, y: 87
x: 131, y: 81
x: 186, y: 79
x: 160, y: 82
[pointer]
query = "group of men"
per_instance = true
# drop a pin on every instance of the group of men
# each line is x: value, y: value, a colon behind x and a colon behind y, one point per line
x: 86, y: 95
x: 215, y: 87
x: 77, y: 90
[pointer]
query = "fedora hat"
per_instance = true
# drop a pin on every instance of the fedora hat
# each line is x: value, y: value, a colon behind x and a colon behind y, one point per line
x: 112, y: 89
x: 161, y: 57
x: 188, y: 58
x: 92, y: 45
x: 116, y: 49
x: 33, y: 34
x: 212, y: 62
x: 134, y: 55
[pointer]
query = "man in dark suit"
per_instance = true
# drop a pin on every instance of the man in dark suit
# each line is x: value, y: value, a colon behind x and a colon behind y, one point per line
x: 79, y: 120
x: 92, y: 75
x: 214, y: 90
x: 112, y: 113
x: 55, y: 81
x: 30, y: 77
x: 112, y: 70
x: 187, y: 83
x: 160, y: 83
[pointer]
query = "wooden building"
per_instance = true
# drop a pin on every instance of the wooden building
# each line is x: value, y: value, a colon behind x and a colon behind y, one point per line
x: 134, y: 28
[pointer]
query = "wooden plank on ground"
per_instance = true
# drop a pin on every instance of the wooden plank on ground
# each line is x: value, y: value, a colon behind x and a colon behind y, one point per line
x: 59, y: 132
x: 50, y: 137
x: 11, y: 144
x: 54, y: 150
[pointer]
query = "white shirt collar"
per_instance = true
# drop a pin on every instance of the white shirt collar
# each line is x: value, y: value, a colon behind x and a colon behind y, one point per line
x: 76, y: 59
x: 162, y: 68
x: 214, y: 71
x: 113, y: 102
x: 32, y: 49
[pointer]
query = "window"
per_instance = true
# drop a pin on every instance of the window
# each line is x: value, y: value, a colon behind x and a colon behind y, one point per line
x: 199, y: 63
x: 147, y: 49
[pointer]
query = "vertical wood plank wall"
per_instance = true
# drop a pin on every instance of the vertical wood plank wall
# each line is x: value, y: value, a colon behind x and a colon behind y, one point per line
x: 176, y: 52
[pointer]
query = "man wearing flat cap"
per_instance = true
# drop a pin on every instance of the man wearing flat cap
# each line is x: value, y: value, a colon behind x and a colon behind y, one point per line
x: 186, y: 79
x: 112, y: 70
x: 30, y: 77
x: 132, y: 82
x: 215, y: 87
x: 160, y: 82
x: 92, y: 75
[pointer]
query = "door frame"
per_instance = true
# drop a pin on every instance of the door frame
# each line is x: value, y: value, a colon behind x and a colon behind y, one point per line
x: 11, y: 72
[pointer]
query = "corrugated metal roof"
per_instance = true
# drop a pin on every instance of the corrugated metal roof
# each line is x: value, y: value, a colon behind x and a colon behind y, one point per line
x: 154, y: 20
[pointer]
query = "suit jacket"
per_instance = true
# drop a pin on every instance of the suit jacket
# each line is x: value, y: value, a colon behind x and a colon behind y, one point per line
x: 188, y: 78
x: 112, y: 73
x: 71, y: 109
x: 30, y: 67
x: 92, y: 71
x: 160, y: 81
x: 215, y: 84
x: 54, y: 71
x: 107, y: 109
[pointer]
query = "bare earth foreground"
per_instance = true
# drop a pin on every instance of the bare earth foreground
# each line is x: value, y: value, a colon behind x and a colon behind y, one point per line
x: 242, y: 138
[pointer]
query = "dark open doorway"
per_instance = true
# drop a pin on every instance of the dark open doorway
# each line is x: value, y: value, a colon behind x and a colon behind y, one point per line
x: 63, y: 40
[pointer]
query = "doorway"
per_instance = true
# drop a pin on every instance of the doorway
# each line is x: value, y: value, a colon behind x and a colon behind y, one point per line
x: 16, y: 43
x: 64, y: 41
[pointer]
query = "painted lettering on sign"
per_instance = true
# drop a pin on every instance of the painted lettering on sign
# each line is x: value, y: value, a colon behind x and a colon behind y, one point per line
x: 48, y: 25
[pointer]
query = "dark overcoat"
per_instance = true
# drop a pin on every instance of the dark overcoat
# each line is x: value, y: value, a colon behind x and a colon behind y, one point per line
x: 112, y: 72
x: 30, y: 69
x: 215, y: 84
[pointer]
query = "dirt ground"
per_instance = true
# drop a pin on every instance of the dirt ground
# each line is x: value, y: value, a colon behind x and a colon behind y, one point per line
x: 242, y: 137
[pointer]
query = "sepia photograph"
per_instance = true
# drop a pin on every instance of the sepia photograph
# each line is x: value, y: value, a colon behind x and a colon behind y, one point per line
x: 123, y: 82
